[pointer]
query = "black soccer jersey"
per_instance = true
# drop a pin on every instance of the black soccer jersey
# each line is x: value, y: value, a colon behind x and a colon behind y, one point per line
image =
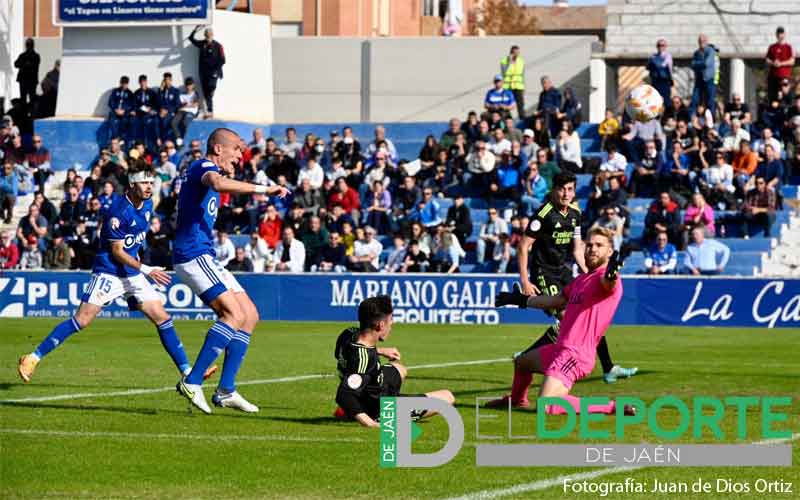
x: 360, y: 374
x: 554, y: 234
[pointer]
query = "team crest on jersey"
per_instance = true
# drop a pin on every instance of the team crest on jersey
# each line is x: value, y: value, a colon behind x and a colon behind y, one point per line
x: 212, y: 206
x: 114, y: 223
x: 535, y: 225
x: 354, y: 381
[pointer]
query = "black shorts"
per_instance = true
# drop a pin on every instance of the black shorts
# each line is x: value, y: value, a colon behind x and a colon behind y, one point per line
x: 551, y: 282
x: 392, y: 381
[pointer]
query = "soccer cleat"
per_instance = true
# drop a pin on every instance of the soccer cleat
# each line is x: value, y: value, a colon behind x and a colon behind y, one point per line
x: 629, y: 411
x: 619, y: 372
x: 194, y: 393
x: 27, y: 365
x: 503, y: 403
x: 339, y: 414
x: 233, y: 400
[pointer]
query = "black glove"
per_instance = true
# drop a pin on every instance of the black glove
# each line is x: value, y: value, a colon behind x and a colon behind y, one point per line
x: 615, y: 263
x: 513, y: 298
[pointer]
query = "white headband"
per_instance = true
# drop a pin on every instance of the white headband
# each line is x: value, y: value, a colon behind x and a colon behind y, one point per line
x: 140, y: 177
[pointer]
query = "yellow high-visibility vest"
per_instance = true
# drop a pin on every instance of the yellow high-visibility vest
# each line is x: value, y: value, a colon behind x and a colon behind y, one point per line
x: 513, y: 73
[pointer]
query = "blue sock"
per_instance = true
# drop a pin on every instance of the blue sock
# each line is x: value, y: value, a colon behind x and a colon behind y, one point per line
x: 57, y: 337
x: 217, y: 338
x: 172, y: 344
x: 234, y: 355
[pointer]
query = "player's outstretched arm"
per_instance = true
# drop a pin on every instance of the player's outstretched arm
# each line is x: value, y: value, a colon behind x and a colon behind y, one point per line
x: 578, y: 248
x: 222, y: 184
x: 365, y: 420
x: 516, y: 298
x: 523, y: 248
x: 157, y: 274
x: 389, y: 352
x: 615, y: 264
x: 547, y: 302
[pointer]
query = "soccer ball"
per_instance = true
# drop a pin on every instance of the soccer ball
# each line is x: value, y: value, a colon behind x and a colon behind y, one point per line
x: 644, y: 103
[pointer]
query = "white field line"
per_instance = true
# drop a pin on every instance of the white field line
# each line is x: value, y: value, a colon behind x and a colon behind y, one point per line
x: 136, y: 392
x: 179, y: 436
x: 544, y: 484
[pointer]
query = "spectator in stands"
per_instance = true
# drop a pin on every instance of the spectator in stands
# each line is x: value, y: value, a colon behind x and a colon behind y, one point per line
x: 46, y: 207
x: 608, y: 129
x: 384, y: 144
x: 187, y: 112
x: 661, y: 257
x: 499, y: 143
x: 290, y: 254
x: 615, y: 165
x: 548, y: 168
x: 47, y: 102
x: 513, y: 134
x: 738, y: 109
x: 379, y: 206
x: 498, y: 99
x: 290, y: 145
x: 675, y: 171
x: 745, y: 163
x: 32, y: 258
x: 512, y: 68
x: 59, y: 254
x: 480, y: 164
x: 570, y: 109
x: 120, y: 104
x: 660, y: 67
x: 541, y: 134
x: 423, y: 238
x: 771, y: 169
x: 240, y: 263
x: 169, y: 100
x: 144, y: 114
x: 759, y: 210
x: 610, y: 219
x: 71, y: 211
x: 734, y: 138
x: 706, y: 75
x: 645, y: 172
x: 415, y: 260
x: 548, y: 107
x: 223, y: 247
x: 166, y: 170
x: 638, y: 136
x: 347, y: 197
x: 780, y: 59
x: 528, y: 145
x: 699, y: 213
x: 449, y: 136
x: 705, y: 256
x: 408, y: 196
x: 397, y: 255
x: 313, y: 172
x: 446, y: 253
x: 9, y: 189
x: 429, y: 152
x: 429, y: 212
x: 295, y: 218
x: 38, y: 160
x: 767, y: 139
x: 505, y: 183
x: 159, y: 239
x: 662, y: 217
x: 502, y: 253
x: 459, y: 220
x: 490, y: 235
x: 568, y: 149
x: 314, y: 239
x: 257, y: 252
x: 28, y: 75
x: 212, y: 59
x: 366, y: 252
x: 716, y: 182
x: 9, y: 252
x: 310, y: 199
x: 332, y: 257
x: 535, y: 190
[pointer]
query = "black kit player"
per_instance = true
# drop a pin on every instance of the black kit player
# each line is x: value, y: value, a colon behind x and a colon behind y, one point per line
x: 554, y: 233
x: 363, y: 379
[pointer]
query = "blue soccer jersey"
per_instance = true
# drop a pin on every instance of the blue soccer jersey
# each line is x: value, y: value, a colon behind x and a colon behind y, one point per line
x: 122, y: 222
x: 197, y: 213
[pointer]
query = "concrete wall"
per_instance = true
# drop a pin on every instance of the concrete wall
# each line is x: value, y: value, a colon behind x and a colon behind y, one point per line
x: 49, y: 49
x: 94, y: 59
x: 734, y: 26
x: 412, y: 79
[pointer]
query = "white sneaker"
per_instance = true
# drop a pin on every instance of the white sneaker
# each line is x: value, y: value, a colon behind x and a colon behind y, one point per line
x: 233, y: 400
x: 194, y: 393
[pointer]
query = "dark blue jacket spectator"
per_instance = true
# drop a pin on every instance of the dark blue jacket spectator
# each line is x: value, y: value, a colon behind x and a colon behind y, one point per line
x: 121, y: 98
x: 169, y: 98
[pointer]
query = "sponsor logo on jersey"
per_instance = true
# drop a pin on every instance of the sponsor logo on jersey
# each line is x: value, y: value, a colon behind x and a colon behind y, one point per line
x: 212, y: 206
x: 132, y: 240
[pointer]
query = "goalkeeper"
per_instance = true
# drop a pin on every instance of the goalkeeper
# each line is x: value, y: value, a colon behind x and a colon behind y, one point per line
x: 589, y: 304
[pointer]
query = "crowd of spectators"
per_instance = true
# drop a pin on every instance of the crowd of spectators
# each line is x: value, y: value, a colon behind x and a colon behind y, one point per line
x: 350, y: 194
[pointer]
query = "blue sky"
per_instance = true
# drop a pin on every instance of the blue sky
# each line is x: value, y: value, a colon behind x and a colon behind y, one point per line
x: 571, y: 2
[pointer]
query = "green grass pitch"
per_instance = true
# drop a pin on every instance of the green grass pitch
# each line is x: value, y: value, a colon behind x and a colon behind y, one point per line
x: 113, y: 441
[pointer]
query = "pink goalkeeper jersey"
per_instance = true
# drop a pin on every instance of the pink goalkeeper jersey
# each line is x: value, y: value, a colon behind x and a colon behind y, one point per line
x: 589, y: 312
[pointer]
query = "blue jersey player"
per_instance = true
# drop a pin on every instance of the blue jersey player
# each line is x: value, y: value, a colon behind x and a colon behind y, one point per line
x: 196, y: 265
x: 117, y: 272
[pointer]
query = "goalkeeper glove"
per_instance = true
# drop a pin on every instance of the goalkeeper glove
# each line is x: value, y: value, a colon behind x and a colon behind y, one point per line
x: 513, y: 298
x: 615, y: 263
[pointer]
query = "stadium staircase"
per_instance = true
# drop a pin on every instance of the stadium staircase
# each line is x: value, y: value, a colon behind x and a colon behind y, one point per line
x: 74, y: 144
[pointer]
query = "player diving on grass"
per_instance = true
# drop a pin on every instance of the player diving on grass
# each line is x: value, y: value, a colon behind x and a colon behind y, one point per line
x: 554, y: 233
x: 118, y: 272
x: 363, y: 380
x: 196, y: 265
x: 589, y: 303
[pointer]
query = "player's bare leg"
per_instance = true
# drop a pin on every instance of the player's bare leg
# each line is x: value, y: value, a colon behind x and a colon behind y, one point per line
x: 552, y: 387
x: 84, y: 316
x: 525, y: 365
x: 226, y: 395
